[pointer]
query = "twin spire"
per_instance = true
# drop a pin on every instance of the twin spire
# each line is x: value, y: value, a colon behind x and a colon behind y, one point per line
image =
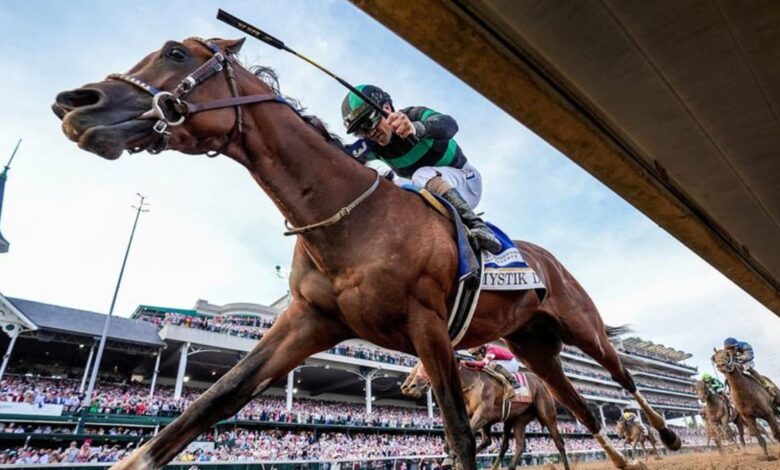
x: 3, y: 178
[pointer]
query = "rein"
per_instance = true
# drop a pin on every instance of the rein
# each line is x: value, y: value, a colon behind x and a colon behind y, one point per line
x: 171, y: 110
x: 343, y: 212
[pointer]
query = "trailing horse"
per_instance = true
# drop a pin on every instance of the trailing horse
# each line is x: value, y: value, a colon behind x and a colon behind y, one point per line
x: 719, y: 415
x: 751, y: 399
x: 634, y: 433
x: 486, y: 405
x: 360, y: 269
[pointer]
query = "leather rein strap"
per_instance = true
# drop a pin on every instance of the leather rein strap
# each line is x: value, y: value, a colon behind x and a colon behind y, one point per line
x: 343, y: 212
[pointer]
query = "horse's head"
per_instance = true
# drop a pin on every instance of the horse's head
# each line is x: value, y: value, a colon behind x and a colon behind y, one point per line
x: 724, y: 360
x: 702, y: 390
x: 145, y: 108
x: 620, y: 427
x: 416, y: 383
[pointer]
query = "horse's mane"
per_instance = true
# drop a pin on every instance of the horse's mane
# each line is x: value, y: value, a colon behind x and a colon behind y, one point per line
x: 268, y: 76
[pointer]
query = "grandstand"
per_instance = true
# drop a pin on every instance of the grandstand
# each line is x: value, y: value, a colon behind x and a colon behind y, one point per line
x: 341, y: 403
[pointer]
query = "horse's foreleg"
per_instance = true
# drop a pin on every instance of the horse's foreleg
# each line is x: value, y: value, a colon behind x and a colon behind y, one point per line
x: 486, y: 439
x: 507, y: 432
x: 552, y: 428
x: 432, y: 343
x: 519, y: 430
x: 756, y: 431
x: 741, y: 429
x: 296, y: 334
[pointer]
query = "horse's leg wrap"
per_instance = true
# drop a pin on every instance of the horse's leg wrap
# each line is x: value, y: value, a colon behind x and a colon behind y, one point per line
x: 668, y: 437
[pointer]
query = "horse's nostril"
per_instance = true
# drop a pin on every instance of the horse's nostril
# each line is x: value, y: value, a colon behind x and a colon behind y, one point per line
x: 70, y: 100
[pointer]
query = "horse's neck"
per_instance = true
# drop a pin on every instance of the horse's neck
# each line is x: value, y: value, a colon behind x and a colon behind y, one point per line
x: 469, y: 379
x: 308, y: 178
x: 738, y: 383
x: 713, y: 400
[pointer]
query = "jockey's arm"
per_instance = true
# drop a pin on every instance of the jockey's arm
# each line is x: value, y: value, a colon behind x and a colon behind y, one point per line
x: 429, y: 123
x: 474, y: 364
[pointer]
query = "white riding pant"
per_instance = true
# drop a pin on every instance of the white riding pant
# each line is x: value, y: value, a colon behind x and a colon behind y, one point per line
x: 466, y: 180
x: 512, y: 366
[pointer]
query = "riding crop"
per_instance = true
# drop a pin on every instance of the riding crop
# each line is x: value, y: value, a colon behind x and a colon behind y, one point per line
x: 257, y: 33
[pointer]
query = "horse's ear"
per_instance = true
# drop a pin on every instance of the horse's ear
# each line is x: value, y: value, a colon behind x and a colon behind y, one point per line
x: 232, y: 46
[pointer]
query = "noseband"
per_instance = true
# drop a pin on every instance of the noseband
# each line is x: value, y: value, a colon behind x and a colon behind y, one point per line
x: 171, y: 110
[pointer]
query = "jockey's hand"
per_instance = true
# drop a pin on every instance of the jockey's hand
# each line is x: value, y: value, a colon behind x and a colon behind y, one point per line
x: 401, y: 124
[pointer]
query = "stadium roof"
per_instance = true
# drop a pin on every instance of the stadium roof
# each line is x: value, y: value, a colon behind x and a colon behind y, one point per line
x: 49, y: 317
x: 643, y: 345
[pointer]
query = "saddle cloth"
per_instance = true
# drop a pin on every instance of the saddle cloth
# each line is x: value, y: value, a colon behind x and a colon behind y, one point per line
x: 522, y: 394
x: 507, y: 270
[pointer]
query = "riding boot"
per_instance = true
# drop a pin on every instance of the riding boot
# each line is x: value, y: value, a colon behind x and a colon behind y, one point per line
x: 760, y: 378
x: 479, y: 232
x: 507, y: 375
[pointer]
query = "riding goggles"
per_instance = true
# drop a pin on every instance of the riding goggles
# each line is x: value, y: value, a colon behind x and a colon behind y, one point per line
x: 368, y: 123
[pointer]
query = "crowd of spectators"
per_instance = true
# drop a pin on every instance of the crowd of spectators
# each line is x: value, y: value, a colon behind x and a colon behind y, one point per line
x: 134, y: 400
x: 248, y: 445
x: 374, y: 354
x: 661, y: 385
x: 585, y: 372
x: 72, y: 454
x: 671, y: 401
x: 663, y: 373
x: 253, y: 327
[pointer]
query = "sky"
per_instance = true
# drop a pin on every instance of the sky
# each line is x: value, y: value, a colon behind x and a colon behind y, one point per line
x: 212, y: 234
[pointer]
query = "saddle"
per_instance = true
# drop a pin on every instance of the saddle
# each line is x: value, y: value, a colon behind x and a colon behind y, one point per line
x: 509, y: 391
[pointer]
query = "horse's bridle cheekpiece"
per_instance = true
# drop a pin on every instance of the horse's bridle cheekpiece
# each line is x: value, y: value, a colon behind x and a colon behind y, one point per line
x: 170, y: 109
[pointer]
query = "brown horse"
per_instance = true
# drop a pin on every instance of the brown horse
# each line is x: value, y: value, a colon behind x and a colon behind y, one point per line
x: 751, y: 399
x: 378, y: 264
x: 634, y: 433
x: 484, y: 395
x: 719, y: 415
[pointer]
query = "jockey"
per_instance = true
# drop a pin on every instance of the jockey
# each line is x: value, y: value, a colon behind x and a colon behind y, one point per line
x: 496, y: 358
x: 629, y: 417
x: 713, y: 383
x: 743, y: 354
x: 435, y: 162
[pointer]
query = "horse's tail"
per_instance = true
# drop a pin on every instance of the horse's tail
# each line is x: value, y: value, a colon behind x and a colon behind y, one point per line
x: 614, y: 331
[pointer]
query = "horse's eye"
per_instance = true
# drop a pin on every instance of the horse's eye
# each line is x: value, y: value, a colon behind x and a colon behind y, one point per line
x: 177, y: 54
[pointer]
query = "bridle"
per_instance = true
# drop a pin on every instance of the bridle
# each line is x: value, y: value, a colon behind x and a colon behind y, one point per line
x: 729, y: 365
x: 171, y: 110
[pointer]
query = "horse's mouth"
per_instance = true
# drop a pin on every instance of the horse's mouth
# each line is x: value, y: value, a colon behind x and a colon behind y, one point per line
x: 110, y: 141
x: 107, y: 140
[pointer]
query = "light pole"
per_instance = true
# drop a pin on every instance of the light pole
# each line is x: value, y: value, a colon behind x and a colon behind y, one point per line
x: 96, y: 366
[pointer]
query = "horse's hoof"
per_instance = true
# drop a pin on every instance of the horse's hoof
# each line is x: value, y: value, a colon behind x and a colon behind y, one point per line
x: 636, y: 465
x: 670, y: 439
x: 657, y: 457
x: 771, y: 458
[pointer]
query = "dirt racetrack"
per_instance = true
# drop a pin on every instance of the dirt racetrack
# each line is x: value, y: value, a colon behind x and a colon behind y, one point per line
x: 732, y: 460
